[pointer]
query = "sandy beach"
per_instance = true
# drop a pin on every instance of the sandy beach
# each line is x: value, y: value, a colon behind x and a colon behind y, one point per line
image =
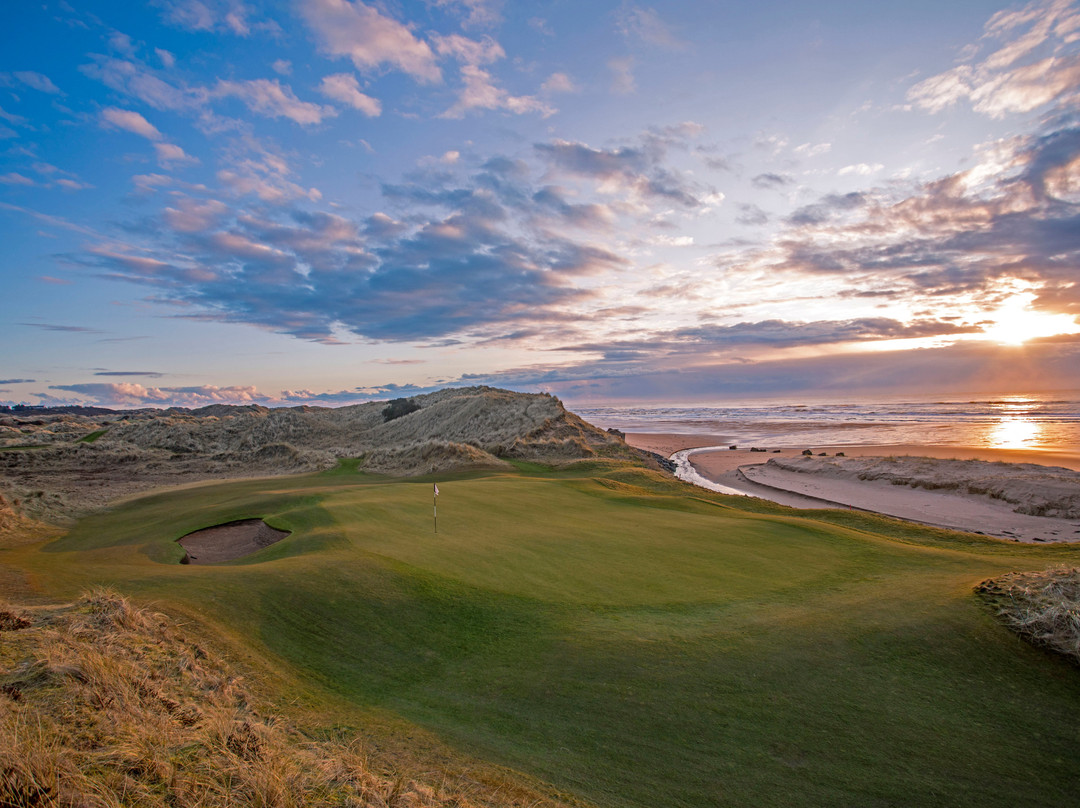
x: 748, y: 472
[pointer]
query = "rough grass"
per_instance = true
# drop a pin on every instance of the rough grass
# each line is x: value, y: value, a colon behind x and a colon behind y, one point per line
x: 1042, y: 607
x: 104, y: 704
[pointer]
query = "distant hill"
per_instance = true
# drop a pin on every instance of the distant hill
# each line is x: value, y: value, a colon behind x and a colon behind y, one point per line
x: 57, y: 464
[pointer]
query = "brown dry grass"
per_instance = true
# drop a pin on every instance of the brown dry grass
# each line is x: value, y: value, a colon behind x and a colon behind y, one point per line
x: 103, y: 704
x: 1042, y: 607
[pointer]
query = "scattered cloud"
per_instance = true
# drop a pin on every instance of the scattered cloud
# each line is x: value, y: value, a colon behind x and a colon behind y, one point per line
x: 70, y: 329
x: 129, y: 121
x: 634, y: 172
x: 862, y: 169
x: 14, y: 178
x: 477, y: 13
x: 622, y: 75
x: 223, y: 16
x: 150, y: 373
x: 17, y: 381
x: 37, y: 81
x: 169, y: 155
x: 559, y: 83
x: 771, y: 181
x: 270, y: 98
x: 345, y: 88
x: 129, y: 394
x: 479, y: 90
x: 1032, y: 67
x: 360, y: 32
x: 644, y: 24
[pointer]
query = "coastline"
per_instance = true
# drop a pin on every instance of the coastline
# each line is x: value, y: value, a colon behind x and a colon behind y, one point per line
x: 720, y: 470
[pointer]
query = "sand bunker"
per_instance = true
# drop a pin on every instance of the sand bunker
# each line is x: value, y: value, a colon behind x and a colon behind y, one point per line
x: 229, y: 541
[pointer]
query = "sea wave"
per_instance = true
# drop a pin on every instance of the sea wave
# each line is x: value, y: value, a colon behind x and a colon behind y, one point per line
x: 1031, y: 422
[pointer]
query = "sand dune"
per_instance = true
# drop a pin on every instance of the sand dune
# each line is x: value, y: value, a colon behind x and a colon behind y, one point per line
x: 56, y: 467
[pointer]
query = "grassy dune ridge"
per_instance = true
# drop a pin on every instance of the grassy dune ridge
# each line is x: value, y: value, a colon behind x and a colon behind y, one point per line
x: 624, y: 637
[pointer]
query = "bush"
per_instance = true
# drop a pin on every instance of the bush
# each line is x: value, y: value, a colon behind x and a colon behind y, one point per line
x: 399, y: 407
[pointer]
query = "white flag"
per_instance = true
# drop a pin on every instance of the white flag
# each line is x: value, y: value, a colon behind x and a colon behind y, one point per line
x: 436, y: 489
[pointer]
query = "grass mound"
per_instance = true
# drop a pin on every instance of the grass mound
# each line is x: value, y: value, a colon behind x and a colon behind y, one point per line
x: 103, y: 704
x: 1042, y: 607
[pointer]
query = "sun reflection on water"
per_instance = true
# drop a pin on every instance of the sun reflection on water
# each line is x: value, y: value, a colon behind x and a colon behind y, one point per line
x: 1014, y: 432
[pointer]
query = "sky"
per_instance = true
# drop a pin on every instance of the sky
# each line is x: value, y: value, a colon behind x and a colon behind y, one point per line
x: 331, y: 201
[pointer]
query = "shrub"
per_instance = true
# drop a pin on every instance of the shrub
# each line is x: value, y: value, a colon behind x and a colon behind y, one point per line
x: 399, y: 407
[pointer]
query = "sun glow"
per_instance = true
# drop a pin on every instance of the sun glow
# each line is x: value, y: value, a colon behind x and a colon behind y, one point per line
x: 1015, y: 322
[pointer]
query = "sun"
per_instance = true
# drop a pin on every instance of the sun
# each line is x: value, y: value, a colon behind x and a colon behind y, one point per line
x: 1015, y: 322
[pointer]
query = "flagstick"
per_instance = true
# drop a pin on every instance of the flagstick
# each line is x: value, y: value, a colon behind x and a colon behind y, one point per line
x: 435, y: 506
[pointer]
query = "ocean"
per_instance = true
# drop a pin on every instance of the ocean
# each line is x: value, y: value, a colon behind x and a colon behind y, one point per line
x: 1037, y: 422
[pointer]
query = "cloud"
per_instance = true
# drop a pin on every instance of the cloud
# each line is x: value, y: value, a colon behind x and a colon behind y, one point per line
x: 252, y: 166
x: 808, y: 150
x: 622, y: 76
x: 558, y: 83
x: 479, y: 90
x: 862, y: 169
x: 170, y: 155
x: 72, y: 185
x: 751, y: 215
x: 827, y: 208
x: 129, y: 121
x: 128, y: 394
x: 1012, y: 79
x: 270, y: 98
x: 478, y: 13
x: 770, y: 181
x: 968, y: 237
x: 14, y: 178
x: 228, y: 16
x: 150, y: 373
x: 345, y: 88
x: 69, y: 329
x: 637, y: 173
x: 139, y: 81
x: 37, y: 81
x: 361, y: 33
x: 645, y: 24
x: 17, y: 381
x: 471, y: 258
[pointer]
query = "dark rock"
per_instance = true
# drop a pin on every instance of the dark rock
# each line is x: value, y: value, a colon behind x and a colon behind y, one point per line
x: 807, y: 453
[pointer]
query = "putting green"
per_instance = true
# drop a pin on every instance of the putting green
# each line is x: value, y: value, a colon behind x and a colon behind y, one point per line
x: 630, y: 640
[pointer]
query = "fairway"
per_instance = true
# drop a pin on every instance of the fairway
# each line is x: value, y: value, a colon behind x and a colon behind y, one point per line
x: 626, y: 638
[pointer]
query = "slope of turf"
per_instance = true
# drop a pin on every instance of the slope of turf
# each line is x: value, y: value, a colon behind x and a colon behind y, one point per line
x: 628, y: 639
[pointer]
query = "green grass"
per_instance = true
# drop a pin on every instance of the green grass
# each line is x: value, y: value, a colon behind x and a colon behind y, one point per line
x: 93, y: 436
x: 625, y: 638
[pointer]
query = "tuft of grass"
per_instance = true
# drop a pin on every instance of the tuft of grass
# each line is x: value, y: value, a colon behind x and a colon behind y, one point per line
x: 1042, y: 607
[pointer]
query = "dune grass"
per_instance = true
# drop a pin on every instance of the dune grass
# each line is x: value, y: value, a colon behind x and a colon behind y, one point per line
x: 628, y: 639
